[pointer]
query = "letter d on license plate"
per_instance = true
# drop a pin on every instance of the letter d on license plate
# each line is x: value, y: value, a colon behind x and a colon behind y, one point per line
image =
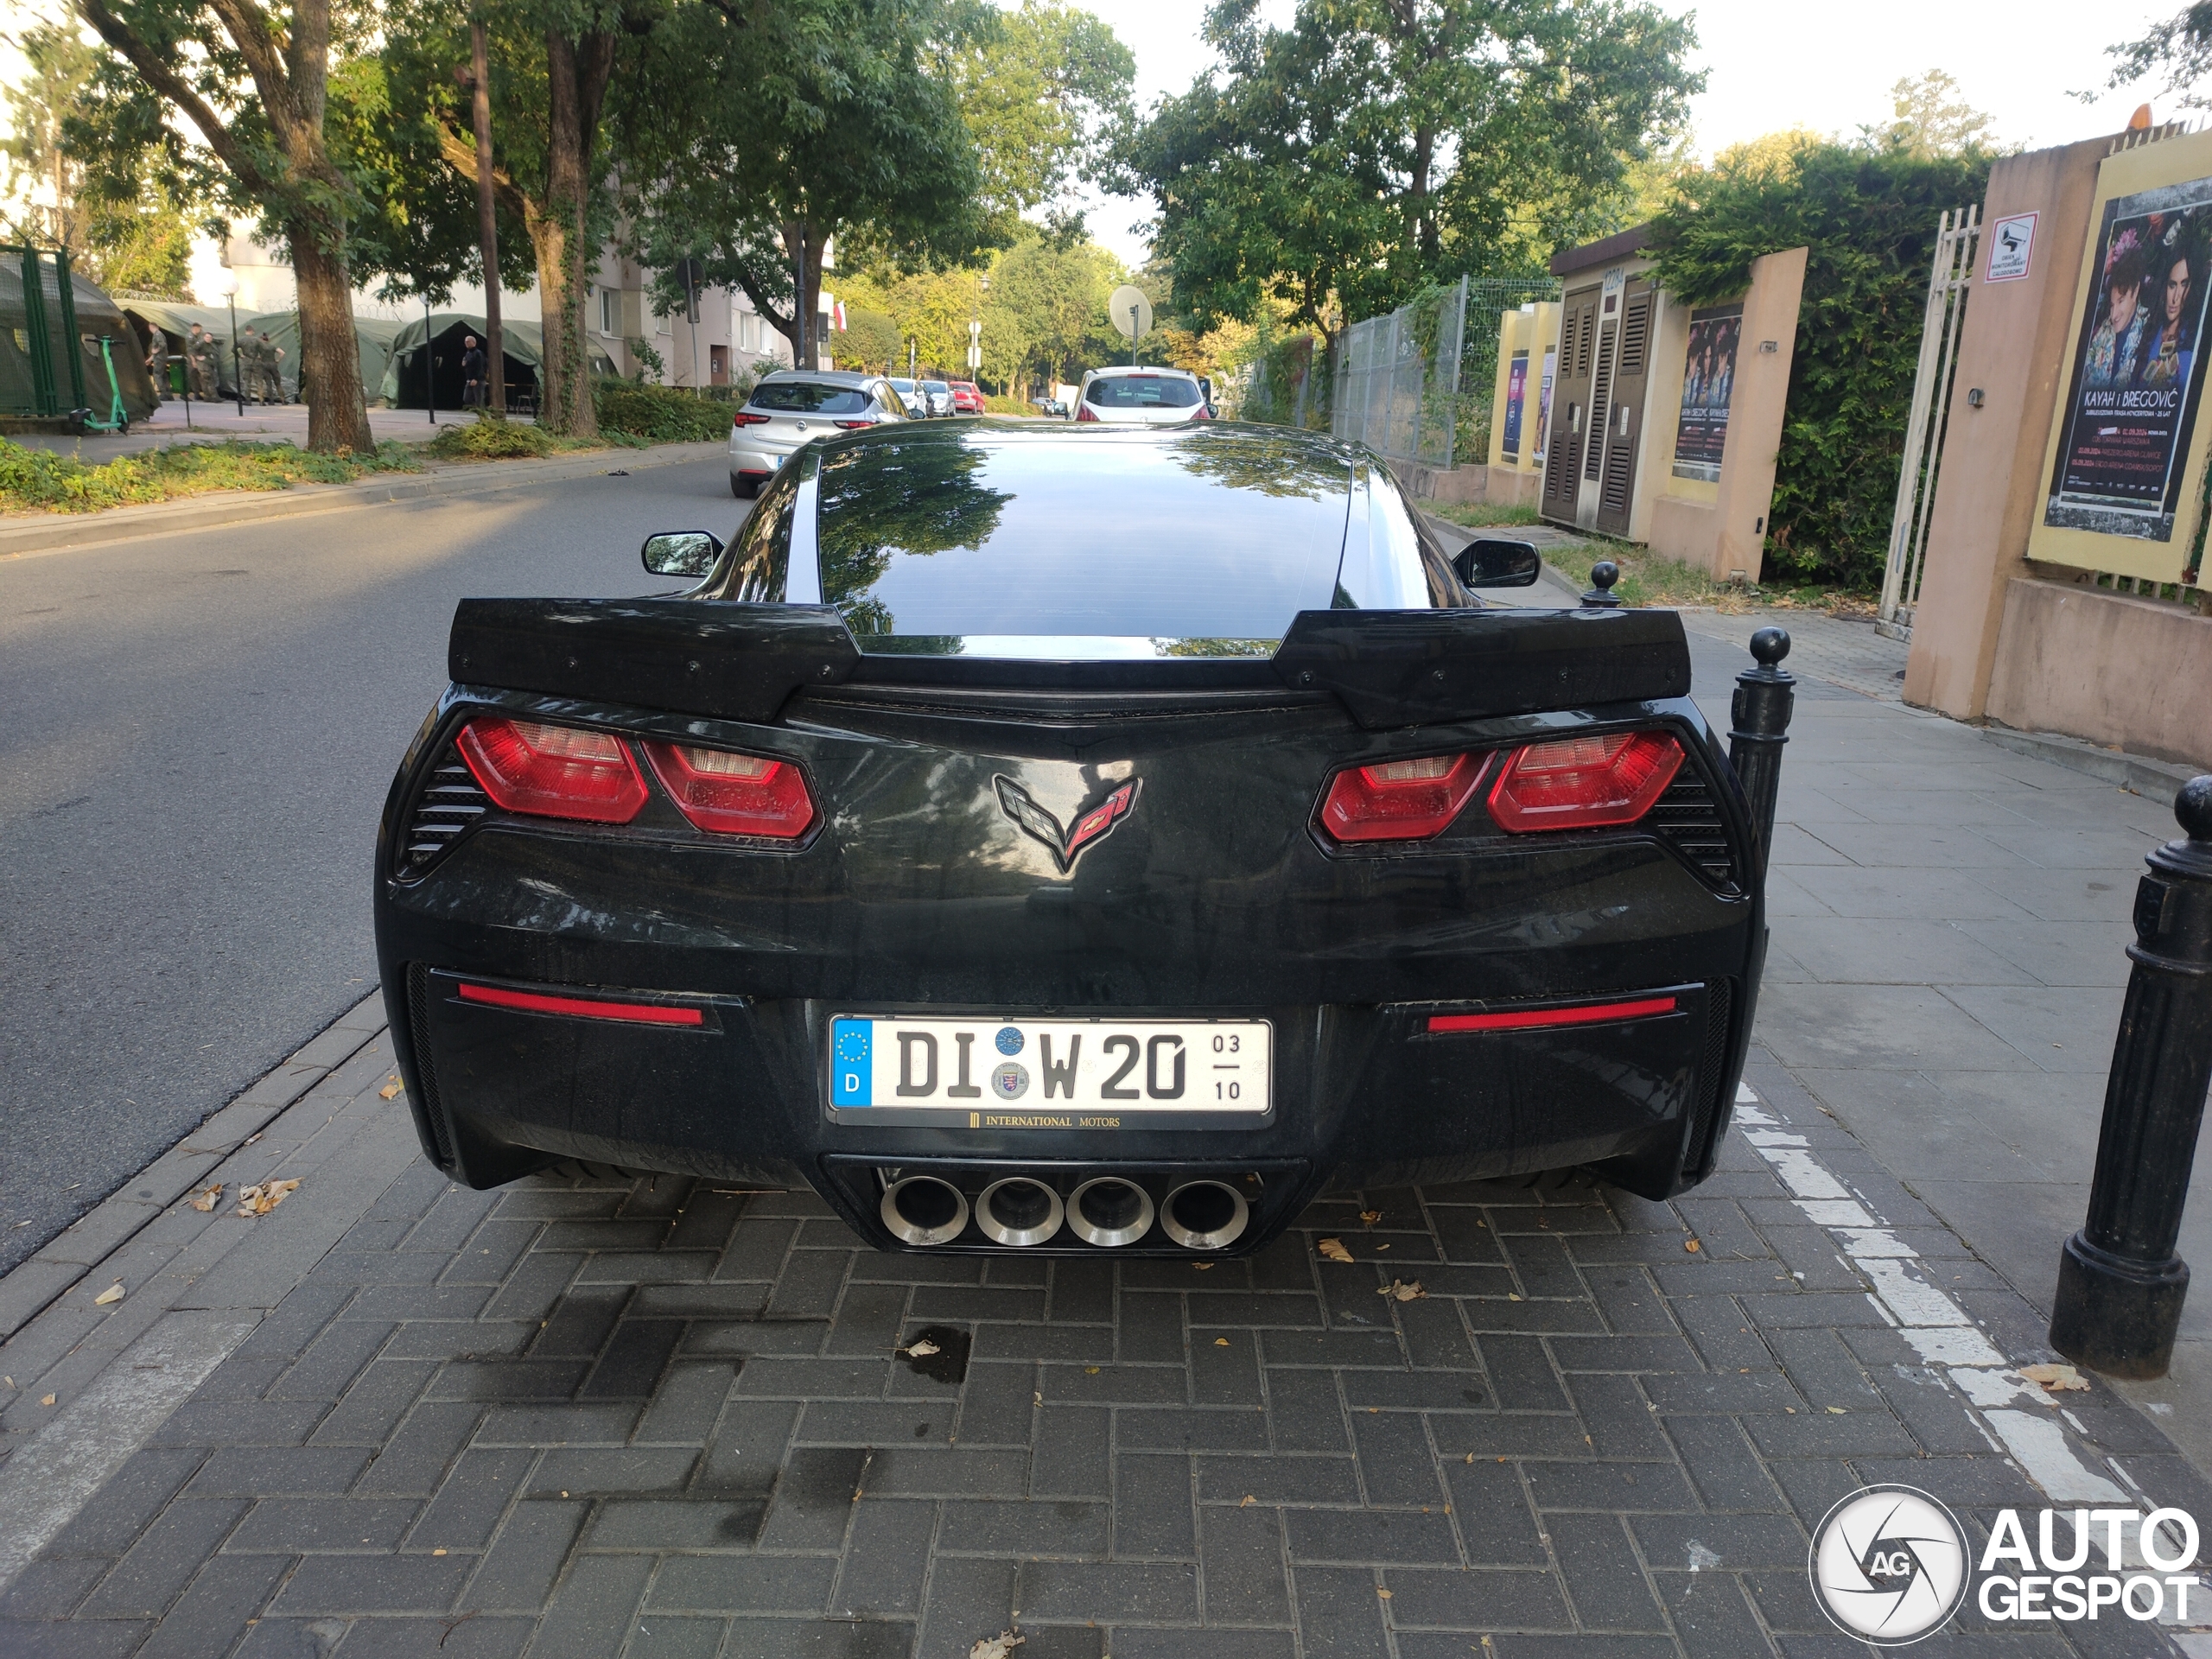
x: 1049, y: 1074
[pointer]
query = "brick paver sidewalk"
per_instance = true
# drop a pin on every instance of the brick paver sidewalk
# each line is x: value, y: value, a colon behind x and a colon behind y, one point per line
x: 564, y: 1417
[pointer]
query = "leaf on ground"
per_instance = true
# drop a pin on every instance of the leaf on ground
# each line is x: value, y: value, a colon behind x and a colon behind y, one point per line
x: 389, y: 1090
x: 260, y: 1198
x: 206, y: 1201
x: 109, y: 1297
x: 1221, y: 1342
x: 1334, y: 1249
x: 1385, y: 1594
x: 1249, y: 1501
x: 2055, y: 1378
x: 921, y: 1350
x: 1837, y: 1411
x: 46, y: 1400
x: 1202, y: 1267
x: 1370, y: 1217
x: 1001, y: 1646
x: 1692, y: 1246
x: 1398, y: 1291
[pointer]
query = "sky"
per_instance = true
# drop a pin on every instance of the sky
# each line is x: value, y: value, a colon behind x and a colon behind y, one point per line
x: 1769, y: 67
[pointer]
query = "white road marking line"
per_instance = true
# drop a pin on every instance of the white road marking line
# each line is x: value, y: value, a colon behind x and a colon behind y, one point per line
x: 1940, y: 1331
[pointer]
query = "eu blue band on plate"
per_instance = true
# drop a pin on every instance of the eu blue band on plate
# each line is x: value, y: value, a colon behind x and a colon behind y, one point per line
x: 850, y: 1066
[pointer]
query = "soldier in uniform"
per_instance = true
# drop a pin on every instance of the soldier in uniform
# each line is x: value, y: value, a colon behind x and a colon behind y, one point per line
x: 200, y: 364
x: 257, y: 367
x: 157, y: 362
x: 272, y: 368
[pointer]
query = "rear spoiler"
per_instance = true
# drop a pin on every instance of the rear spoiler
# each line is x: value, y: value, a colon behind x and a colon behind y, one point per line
x: 743, y: 662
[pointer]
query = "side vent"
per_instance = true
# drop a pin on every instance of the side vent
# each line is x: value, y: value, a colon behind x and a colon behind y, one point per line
x: 1719, y: 1003
x: 1636, y: 335
x: 1688, y: 819
x: 449, y: 804
x: 1601, y: 397
x: 418, y: 1031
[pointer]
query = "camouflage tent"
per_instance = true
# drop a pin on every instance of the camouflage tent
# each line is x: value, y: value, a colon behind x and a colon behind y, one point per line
x: 372, y: 337
x: 174, y: 319
x: 523, y: 344
x: 98, y: 318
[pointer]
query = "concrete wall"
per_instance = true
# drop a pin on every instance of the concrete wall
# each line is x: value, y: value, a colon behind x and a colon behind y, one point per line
x: 2129, y: 673
x: 1721, y: 527
x: 2013, y: 347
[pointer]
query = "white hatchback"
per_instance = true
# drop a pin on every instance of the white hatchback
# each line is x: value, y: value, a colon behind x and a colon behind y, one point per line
x: 1141, y: 396
x: 789, y: 410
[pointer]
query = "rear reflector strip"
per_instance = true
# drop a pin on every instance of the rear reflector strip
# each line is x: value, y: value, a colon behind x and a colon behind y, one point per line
x: 583, y: 1008
x: 1535, y: 1018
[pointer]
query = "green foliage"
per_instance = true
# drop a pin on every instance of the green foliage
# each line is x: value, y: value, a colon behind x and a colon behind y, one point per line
x: 1339, y: 165
x: 651, y: 365
x: 2179, y: 48
x: 658, y: 414
x: 39, y: 479
x: 1868, y: 216
x: 492, y: 437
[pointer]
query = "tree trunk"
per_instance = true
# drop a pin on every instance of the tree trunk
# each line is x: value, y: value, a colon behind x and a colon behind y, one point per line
x: 560, y: 239
x: 488, y: 233
x: 804, y: 246
x: 330, y: 352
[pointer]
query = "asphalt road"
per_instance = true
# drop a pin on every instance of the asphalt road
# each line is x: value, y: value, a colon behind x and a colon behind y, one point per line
x: 196, y: 733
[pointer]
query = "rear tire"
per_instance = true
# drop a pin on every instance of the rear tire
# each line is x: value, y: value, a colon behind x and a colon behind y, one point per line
x: 743, y: 489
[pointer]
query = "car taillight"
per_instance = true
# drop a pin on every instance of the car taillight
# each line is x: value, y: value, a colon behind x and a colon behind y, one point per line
x: 733, y: 794
x: 1582, y: 783
x: 1082, y: 412
x: 553, y: 772
x: 1401, y: 800
x: 854, y: 426
x: 741, y: 419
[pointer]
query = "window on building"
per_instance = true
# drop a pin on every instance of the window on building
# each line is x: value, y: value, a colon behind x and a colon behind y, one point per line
x: 610, y: 312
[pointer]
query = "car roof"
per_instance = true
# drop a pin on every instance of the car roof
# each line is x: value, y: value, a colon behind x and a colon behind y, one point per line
x: 820, y: 377
x: 1114, y: 370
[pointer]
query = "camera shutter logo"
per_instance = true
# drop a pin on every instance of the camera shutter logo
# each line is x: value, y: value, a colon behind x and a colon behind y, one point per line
x: 1889, y: 1565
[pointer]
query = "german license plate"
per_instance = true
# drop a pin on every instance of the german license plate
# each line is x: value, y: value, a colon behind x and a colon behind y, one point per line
x: 1018, y: 1073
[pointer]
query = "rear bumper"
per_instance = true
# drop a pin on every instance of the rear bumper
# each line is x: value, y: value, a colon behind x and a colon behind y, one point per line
x: 1362, y: 1096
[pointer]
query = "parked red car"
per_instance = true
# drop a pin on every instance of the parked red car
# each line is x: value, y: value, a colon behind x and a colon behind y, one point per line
x: 967, y: 397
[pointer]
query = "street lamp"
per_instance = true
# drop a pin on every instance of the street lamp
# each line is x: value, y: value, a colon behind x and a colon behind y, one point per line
x: 229, y: 290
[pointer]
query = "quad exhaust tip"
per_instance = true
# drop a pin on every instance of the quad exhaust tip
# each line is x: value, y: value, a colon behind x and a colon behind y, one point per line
x: 1018, y: 1210
x: 923, y: 1210
x: 1107, y: 1210
x: 1205, y: 1215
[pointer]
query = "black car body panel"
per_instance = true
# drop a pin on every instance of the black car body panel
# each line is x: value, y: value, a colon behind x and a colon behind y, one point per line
x: 1610, y: 972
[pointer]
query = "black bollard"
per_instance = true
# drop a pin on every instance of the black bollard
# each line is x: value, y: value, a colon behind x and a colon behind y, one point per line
x: 2121, y: 1284
x: 1601, y: 596
x: 1765, y: 699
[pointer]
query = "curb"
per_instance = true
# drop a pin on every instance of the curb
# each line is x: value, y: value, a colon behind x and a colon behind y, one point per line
x: 2155, y: 780
x: 62, y: 532
x: 33, y: 1284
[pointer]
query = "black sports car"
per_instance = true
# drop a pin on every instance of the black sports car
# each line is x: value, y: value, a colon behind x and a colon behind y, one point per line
x: 1073, y: 841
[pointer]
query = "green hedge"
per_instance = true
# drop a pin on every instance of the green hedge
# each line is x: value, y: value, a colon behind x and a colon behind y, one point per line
x: 1869, y: 217
x: 658, y: 414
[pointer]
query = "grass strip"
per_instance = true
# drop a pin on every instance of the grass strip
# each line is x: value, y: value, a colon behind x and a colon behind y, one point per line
x: 39, y: 480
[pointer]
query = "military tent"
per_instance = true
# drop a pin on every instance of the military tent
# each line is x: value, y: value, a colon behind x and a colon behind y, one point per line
x: 523, y: 344
x: 372, y: 337
x: 174, y: 319
x: 98, y: 318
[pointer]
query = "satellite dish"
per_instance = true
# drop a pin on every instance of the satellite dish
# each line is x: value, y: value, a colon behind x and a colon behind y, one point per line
x: 1131, y: 311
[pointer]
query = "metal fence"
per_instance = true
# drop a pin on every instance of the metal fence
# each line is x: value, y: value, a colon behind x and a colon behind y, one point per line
x: 41, y: 369
x: 1417, y: 384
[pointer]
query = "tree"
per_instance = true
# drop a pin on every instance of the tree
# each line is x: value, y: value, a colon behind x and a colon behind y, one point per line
x: 1376, y: 146
x: 1038, y: 88
x: 801, y: 123
x: 1928, y: 118
x: 138, y: 240
x: 2180, y: 48
x: 250, y: 83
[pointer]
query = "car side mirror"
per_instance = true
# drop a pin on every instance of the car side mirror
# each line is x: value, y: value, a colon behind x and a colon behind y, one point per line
x: 1492, y: 562
x: 681, y: 553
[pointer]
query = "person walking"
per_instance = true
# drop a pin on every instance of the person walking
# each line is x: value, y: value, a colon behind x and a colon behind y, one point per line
x: 157, y: 361
x: 200, y: 364
x: 471, y: 373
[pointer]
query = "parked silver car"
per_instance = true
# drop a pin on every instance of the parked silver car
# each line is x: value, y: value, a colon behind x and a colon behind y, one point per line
x: 939, y: 394
x: 791, y: 408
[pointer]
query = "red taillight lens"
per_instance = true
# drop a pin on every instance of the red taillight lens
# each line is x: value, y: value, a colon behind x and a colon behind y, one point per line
x: 855, y: 426
x: 1581, y: 783
x: 741, y: 418
x: 1401, y: 800
x: 733, y: 794
x: 1082, y: 412
x: 554, y: 772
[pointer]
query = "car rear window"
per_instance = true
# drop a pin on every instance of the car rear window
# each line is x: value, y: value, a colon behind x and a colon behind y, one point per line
x: 1142, y: 391
x: 808, y: 398
x: 979, y: 545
